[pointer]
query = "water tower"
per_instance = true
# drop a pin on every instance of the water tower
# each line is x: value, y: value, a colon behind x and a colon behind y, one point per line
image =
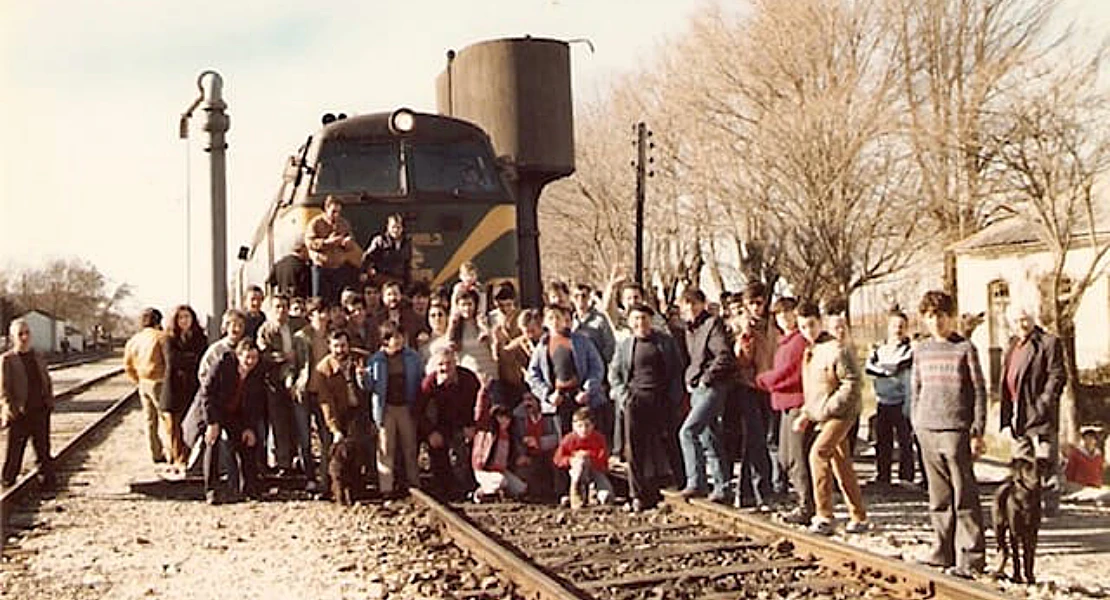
x: 518, y: 91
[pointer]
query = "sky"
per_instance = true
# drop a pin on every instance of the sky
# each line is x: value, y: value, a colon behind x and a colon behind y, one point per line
x: 91, y: 93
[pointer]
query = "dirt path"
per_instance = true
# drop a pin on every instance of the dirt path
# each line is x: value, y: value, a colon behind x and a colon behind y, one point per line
x: 101, y: 540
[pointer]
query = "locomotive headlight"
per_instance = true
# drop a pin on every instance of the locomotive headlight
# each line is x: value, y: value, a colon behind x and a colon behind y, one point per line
x: 402, y: 121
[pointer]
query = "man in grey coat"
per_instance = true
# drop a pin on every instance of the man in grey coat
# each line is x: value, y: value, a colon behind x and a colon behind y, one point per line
x: 26, y: 401
x: 1032, y: 380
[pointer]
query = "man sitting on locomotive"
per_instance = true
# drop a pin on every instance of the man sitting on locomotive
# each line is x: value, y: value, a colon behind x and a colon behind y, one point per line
x: 388, y: 255
x: 328, y: 237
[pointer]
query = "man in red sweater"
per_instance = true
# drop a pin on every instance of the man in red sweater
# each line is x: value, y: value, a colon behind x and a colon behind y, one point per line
x: 784, y: 382
x: 584, y: 453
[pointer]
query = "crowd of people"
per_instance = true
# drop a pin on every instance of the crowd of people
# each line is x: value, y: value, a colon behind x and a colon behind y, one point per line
x: 745, y: 400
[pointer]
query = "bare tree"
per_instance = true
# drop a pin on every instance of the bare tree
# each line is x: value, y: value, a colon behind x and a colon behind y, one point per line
x: 824, y: 142
x: 956, y: 57
x: 1049, y: 151
x: 586, y: 218
x: 71, y: 289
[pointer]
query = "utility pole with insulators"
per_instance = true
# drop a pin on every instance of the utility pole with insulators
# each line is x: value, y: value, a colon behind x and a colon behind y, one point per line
x: 643, y: 159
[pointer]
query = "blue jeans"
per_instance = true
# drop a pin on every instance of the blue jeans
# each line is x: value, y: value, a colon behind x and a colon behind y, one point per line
x: 303, y: 414
x: 700, y: 438
x: 328, y: 283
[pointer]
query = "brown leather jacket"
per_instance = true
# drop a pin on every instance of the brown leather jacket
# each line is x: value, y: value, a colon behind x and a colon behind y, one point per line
x: 341, y: 393
x: 13, y: 384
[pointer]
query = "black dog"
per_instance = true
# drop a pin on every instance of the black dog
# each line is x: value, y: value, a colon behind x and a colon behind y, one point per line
x: 345, y: 470
x: 1017, y: 511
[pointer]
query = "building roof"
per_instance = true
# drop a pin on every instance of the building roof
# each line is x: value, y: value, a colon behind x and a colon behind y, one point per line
x: 44, y: 313
x: 1016, y: 231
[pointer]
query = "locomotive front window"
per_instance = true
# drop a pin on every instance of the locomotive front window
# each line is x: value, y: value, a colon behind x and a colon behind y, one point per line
x: 358, y: 166
x: 459, y: 168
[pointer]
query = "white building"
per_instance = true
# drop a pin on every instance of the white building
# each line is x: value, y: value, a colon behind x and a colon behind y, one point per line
x: 48, y: 331
x: 1006, y: 263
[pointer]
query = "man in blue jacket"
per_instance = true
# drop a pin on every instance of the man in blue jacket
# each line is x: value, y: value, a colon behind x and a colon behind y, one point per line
x: 566, y: 371
x: 393, y: 376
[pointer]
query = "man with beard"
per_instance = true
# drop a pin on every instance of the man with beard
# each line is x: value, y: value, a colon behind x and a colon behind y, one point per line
x: 342, y: 393
x: 396, y: 311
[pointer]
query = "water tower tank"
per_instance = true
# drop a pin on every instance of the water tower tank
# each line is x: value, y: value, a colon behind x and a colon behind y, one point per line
x: 518, y: 90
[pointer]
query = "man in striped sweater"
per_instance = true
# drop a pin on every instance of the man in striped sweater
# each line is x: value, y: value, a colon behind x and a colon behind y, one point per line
x: 948, y: 396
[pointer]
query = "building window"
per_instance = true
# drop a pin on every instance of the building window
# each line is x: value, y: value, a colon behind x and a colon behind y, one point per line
x: 998, y: 298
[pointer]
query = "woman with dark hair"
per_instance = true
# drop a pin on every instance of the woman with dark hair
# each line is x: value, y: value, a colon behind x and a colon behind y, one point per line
x: 185, y: 344
x: 471, y: 337
x: 439, y: 314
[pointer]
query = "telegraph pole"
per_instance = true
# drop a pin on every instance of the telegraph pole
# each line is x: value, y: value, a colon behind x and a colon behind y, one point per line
x: 643, y: 145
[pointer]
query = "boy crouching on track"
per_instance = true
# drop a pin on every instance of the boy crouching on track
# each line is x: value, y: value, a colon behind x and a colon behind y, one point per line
x: 584, y: 454
x: 493, y: 453
x: 536, y: 436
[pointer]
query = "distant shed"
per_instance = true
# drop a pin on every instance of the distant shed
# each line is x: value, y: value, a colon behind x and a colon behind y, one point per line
x: 48, y: 331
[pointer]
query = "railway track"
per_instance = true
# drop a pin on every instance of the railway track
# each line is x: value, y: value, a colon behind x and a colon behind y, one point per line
x: 88, y: 395
x: 695, y: 550
x: 77, y: 361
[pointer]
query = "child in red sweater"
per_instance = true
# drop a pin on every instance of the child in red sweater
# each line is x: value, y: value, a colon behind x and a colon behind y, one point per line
x: 1084, y: 465
x: 584, y: 453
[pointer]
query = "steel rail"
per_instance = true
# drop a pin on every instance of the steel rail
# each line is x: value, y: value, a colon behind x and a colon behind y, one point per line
x: 13, y: 495
x: 909, y: 580
x: 76, y: 362
x: 532, y: 582
x: 86, y: 384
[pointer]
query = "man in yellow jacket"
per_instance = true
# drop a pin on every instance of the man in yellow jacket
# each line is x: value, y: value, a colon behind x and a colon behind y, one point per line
x: 144, y: 361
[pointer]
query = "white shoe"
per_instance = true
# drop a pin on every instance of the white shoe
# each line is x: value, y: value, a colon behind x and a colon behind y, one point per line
x: 858, y: 527
x: 821, y: 526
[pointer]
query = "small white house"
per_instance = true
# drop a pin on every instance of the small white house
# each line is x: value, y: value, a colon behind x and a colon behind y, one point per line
x: 44, y: 330
x: 48, y: 331
x: 1006, y: 263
